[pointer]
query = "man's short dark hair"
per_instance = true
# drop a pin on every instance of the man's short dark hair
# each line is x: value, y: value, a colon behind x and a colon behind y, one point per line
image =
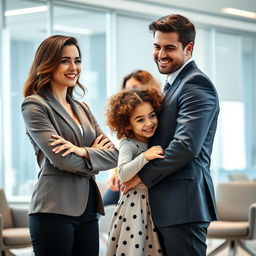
x: 178, y: 24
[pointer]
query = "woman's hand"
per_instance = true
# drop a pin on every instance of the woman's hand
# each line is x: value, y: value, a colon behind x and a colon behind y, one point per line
x: 101, y: 143
x: 63, y: 144
x: 154, y: 152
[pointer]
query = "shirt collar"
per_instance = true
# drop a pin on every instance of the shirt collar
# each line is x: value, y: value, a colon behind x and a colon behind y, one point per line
x: 171, y: 77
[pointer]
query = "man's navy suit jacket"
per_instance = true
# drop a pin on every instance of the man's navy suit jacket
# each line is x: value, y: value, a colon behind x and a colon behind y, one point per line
x: 180, y: 185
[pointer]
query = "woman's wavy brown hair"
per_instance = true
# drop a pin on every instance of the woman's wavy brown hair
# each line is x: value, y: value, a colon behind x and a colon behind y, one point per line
x: 121, y: 106
x: 47, y: 58
x: 143, y: 77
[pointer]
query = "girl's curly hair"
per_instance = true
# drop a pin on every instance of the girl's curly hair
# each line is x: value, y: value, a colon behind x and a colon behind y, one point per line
x: 121, y: 106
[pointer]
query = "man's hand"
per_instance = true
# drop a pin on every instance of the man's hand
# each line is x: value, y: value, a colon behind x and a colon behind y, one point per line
x: 133, y: 182
x: 113, y: 181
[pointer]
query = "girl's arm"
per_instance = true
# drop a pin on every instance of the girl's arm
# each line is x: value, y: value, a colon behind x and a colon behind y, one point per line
x: 128, y: 166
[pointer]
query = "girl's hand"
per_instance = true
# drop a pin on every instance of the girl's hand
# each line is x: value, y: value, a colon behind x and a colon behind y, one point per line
x: 101, y: 143
x: 154, y: 152
x: 63, y: 144
x: 128, y: 185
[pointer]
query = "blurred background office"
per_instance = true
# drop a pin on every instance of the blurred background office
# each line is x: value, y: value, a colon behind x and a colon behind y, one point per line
x: 114, y: 38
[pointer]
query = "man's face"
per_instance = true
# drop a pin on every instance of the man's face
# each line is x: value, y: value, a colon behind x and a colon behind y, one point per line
x: 168, y: 53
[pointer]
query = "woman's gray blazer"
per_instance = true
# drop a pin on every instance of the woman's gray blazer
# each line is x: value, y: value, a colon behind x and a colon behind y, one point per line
x: 63, y: 182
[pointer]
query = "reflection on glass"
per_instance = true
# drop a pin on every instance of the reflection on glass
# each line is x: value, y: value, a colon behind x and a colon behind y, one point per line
x: 26, y: 30
x: 89, y: 28
x: 232, y: 133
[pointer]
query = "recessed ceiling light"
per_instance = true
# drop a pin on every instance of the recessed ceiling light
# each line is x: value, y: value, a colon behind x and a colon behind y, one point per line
x: 71, y: 29
x: 42, y: 8
x: 239, y: 12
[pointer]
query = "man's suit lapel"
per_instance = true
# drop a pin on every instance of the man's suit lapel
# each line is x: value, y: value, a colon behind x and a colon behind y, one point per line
x: 191, y: 65
x: 57, y: 107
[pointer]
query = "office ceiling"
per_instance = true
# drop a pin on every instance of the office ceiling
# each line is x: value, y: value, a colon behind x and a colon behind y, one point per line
x: 35, y: 24
x: 207, y: 6
x: 201, y: 6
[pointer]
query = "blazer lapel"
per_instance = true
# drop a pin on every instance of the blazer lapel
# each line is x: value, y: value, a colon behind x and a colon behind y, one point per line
x: 57, y: 107
x: 84, y: 118
x: 172, y: 89
x: 178, y: 79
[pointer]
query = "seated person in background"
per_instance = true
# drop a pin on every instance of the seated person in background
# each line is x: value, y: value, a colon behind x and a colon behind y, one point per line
x: 136, y: 79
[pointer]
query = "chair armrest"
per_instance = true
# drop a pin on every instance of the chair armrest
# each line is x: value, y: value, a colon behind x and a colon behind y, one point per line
x: 20, y: 217
x: 105, y: 221
x: 252, y: 221
x: 1, y: 231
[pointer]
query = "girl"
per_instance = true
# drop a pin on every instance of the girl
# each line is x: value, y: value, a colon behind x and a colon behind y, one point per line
x: 137, y: 79
x: 131, y: 114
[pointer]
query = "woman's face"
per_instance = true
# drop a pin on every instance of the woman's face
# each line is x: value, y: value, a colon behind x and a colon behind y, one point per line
x: 132, y: 83
x: 68, y: 71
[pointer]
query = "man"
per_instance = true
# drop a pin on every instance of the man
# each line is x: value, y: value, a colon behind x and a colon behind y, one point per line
x: 180, y: 185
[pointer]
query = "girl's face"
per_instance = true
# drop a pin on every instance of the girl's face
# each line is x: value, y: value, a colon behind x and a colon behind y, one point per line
x: 143, y: 122
x: 67, y: 72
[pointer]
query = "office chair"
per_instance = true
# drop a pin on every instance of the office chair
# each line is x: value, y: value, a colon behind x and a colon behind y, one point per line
x: 14, y: 231
x: 236, y: 205
x: 105, y: 221
x: 238, y: 177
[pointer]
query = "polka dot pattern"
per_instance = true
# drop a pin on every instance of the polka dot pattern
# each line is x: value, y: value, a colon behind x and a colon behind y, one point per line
x: 132, y: 227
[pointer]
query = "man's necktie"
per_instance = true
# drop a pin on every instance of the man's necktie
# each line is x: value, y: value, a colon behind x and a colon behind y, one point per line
x: 166, y: 88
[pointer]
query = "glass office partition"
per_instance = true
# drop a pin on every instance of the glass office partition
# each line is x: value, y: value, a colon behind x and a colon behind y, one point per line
x: 2, y: 25
x: 249, y: 84
x: 89, y: 28
x: 26, y: 23
x: 203, y: 52
x: 230, y: 85
x: 123, y: 41
x: 134, y: 47
x: 25, y: 31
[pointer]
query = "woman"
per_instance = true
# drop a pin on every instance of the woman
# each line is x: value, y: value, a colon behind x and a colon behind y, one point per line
x: 70, y: 148
x: 140, y: 78
x: 137, y: 79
